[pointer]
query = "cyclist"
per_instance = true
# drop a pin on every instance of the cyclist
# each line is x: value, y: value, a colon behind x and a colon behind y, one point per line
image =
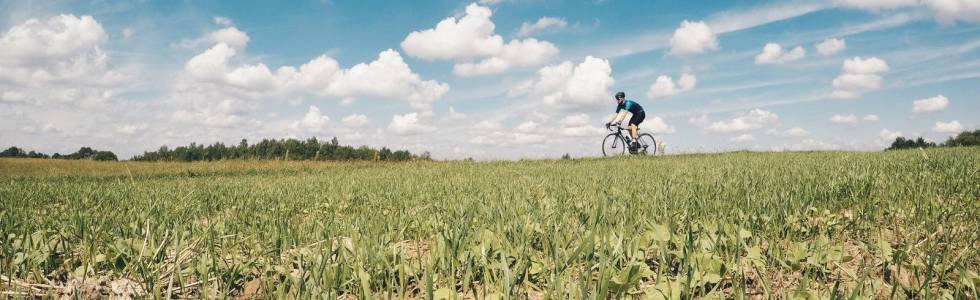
x: 633, y: 108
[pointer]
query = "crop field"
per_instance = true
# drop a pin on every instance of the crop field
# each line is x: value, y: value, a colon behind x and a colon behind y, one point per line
x: 806, y: 225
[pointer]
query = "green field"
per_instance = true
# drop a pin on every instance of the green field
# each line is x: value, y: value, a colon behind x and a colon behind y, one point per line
x: 894, y: 224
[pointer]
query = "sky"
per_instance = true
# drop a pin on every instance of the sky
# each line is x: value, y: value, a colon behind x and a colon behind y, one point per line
x: 492, y: 79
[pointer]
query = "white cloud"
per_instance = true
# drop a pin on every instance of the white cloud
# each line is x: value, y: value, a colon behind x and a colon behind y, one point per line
x: 844, y: 119
x: 223, y: 21
x: 542, y: 24
x: 355, y: 120
x: 657, y: 125
x: 887, y: 135
x: 452, y: 114
x: 859, y: 76
x: 313, y: 121
x: 664, y: 86
x: 568, y: 84
x: 517, y: 53
x: 692, y: 38
x: 699, y: 120
x: 58, y: 60
x: 472, y: 36
x: 794, y: 132
x: 773, y: 53
x: 388, y: 77
x: 950, y: 11
x: 231, y: 36
x: 870, y: 118
x: 527, y: 126
x: 575, y: 120
x: 831, y: 46
x: 582, y: 130
x: 753, y: 119
x: 945, y: 11
x: 931, y: 104
x: 948, y: 127
x: 130, y: 129
x: 408, y: 124
x: 743, y: 138
x: 472, y: 42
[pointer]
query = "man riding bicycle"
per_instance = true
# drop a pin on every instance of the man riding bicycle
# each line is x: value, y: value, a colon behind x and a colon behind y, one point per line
x: 633, y: 108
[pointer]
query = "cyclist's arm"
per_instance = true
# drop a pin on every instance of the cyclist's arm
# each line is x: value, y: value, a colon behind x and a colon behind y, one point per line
x: 618, y: 118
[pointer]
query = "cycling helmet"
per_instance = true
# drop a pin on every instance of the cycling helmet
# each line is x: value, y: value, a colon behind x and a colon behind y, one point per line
x: 620, y: 95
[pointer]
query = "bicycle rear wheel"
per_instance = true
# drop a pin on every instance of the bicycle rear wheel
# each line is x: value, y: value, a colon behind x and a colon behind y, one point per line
x: 613, y: 145
x: 648, y: 144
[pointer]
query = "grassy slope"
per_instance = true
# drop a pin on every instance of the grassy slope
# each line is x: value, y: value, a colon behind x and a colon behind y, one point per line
x: 888, y: 223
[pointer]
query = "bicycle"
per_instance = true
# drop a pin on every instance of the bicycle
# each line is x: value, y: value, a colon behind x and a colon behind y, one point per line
x: 615, y: 143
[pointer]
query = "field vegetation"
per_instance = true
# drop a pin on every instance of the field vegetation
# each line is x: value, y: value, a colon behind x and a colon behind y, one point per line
x: 895, y: 224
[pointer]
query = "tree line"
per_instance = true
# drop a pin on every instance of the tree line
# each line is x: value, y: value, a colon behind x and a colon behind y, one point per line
x: 83, y: 153
x: 966, y: 138
x: 284, y: 149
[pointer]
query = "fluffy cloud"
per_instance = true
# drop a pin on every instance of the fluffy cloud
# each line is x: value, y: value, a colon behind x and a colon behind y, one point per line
x: 831, y: 46
x: 542, y: 24
x: 743, y: 138
x: 388, y: 77
x: 355, y: 120
x: 408, y: 124
x: 858, y: 76
x: 753, y: 119
x: 887, y: 135
x: 472, y: 36
x: 851, y: 119
x: 665, y: 86
x: 517, y: 53
x: 472, y: 42
x: 948, y: 127
x: 313, y: 121
x: 569, y: 84
x: 794, y: 132
x: 657, y: 125
x: 844, y: 119
x: 950, y: 11
x: 57, y: 60
x: 931, y: 104
x: 692, y: 38
x: 231, y: 36
x: 773, y: 53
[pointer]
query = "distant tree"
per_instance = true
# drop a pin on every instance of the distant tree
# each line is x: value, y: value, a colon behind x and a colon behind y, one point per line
x: 13, y: 152
x: 966, y: 138
x: 902, y: 143
x: 291, y: 149
x: 566, y: 156
x: 104, y: 156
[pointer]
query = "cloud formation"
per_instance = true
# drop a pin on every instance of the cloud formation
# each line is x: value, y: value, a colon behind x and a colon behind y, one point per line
x: 858, y: 76
x: 569, y: 84
x: 773, y: 53
x: 931, y: 104
x: 831, y: 46
x: 543, y: 24
x: 692, y: 38
x: 665, y: 86
x: 472, y: 42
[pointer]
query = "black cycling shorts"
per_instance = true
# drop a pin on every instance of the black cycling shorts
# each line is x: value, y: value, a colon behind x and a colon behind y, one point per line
x: 638, y: 118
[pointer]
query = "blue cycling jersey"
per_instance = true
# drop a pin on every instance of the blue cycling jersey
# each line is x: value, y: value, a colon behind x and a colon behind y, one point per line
x: 630, y: 106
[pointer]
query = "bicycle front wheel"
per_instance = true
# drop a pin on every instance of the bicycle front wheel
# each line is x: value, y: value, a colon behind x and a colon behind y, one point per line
x: 648, y: 145
x: 613, y: 145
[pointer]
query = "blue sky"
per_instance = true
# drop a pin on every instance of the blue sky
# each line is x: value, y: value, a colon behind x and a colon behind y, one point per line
x: 501, y: 79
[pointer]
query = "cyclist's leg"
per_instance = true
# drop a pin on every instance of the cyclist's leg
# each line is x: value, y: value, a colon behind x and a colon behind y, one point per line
x: 635, y: 121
